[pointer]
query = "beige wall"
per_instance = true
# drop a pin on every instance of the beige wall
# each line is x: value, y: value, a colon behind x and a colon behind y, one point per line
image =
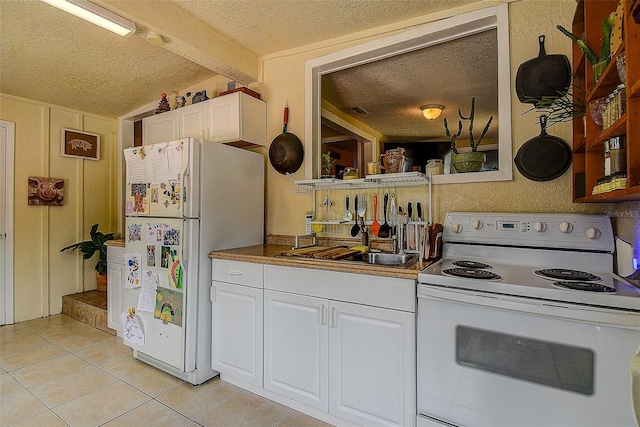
x: 42, y: 274
x: 284, y: 81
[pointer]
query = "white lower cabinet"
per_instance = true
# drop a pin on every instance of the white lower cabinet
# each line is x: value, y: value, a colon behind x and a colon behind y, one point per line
x: 237, y: 319
x: 295, y: 349
x: 115, y: 287
x: 354, y: 361
x: 338, y: 342
x: 371, y: 372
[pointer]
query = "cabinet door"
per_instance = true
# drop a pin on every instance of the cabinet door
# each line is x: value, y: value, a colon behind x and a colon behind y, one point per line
x: 192, y: 121
x: 223, y: 118
x: 295, y: 348
x: 115, y: 283
x: 371, y: 365
x: 160, y: 128
x: 237, y: 331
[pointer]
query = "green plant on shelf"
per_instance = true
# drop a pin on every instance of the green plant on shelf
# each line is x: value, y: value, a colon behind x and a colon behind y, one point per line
x: 605, y: 53
x: 471, y: 118
x: 567, y: 105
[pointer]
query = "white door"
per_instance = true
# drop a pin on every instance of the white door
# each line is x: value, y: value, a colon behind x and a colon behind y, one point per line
x: 371, y: 365
x: 7, y: 140
x: 237, y: 331
x: 295, y: 347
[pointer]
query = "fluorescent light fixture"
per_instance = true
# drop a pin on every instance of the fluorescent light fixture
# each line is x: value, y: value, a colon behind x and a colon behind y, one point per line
x: 96, y: 15
x: 432, y: 111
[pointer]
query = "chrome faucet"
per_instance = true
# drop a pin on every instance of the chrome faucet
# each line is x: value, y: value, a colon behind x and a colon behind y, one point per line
x: 311, y: 236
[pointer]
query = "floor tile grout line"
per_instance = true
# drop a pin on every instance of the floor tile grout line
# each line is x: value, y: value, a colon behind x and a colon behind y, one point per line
x: 219, y: 405
x: 282, y: 419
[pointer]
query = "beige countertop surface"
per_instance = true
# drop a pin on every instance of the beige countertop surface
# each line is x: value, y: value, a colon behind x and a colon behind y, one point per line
x: 116, y: 242
x: 267, y: 254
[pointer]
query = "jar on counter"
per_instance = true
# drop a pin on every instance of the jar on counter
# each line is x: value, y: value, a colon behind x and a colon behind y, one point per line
x: 435, y: 167
x: 618, y: 154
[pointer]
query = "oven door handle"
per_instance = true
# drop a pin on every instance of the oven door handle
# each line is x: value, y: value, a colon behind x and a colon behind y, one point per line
x: 587, y: 314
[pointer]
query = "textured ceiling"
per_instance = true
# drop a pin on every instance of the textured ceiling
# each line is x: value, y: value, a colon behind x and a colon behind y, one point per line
x: 392, y: 90
x: 51, y: 56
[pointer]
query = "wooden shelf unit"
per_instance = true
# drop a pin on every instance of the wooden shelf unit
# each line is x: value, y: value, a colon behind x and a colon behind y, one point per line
x: 588, y: 138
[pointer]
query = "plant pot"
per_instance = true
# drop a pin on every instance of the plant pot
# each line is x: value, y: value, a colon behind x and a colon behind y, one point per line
x: 468, y: 162
x: 101, y: 280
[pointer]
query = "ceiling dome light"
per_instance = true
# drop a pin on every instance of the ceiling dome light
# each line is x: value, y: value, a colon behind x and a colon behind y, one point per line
x: 432, y: 111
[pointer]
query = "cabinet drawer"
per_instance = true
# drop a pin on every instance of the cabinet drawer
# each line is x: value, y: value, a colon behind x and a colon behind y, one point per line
x: 237, y: 272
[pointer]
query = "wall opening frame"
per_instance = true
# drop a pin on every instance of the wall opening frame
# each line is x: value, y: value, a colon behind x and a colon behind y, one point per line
x: 426, y: 35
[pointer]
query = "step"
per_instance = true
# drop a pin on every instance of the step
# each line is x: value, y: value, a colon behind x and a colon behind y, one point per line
x: 88, y: 307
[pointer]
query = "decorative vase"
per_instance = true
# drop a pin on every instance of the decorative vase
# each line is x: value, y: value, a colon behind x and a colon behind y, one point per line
x: 101, y: 280
x: 468, y: 162
x: 598, y: 69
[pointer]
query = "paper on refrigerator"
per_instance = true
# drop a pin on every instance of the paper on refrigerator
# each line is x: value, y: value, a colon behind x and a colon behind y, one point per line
x: 148, y: 292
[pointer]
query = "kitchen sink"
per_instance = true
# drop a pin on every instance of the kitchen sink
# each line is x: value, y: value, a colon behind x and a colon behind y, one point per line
x: 385, y: 258
x: 374, y: 258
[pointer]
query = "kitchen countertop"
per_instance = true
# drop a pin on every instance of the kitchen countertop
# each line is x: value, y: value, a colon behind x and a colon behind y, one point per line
x: 266, y: 254
x: 116, y: 242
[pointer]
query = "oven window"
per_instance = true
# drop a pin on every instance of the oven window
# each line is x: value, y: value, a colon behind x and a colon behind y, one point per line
x: 552, y: 364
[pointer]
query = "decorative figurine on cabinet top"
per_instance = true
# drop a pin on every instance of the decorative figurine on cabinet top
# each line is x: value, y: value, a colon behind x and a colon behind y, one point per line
x: 163, y: 106
x: 199, y: 97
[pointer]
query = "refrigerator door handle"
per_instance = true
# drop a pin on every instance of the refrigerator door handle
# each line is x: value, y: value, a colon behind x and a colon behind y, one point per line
x: 212, y: 295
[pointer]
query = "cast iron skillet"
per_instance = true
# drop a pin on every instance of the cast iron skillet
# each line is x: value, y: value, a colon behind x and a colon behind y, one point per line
x: 286, y: 152
x: 545, y: 75
x: 544, y: 157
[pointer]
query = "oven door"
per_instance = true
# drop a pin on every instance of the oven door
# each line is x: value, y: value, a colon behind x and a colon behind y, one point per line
x: 493, y: 360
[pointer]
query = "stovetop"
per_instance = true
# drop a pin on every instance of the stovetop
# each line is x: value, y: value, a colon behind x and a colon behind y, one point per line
x: 516, y: 252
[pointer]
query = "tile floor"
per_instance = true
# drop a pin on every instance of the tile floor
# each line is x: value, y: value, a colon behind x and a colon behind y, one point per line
x: 57, y: 371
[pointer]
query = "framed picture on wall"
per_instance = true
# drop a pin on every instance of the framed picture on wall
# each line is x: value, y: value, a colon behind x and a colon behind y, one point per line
x: 79, y: 144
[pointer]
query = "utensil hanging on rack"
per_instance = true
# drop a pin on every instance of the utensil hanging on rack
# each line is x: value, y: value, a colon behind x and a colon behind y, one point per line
x: 375, y: 225
x: 384, y: 228
x: 346, y: 215
x: 356, y: 228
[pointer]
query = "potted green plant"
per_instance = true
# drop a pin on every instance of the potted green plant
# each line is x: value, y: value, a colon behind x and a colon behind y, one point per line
x: 598, y: 64
x: 470, y: 161
x: 90, y: 247
x: 328, y: 163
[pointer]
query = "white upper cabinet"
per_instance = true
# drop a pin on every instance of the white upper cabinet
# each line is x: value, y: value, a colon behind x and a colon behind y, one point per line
x: 236, y: 119
x: 160, y: 128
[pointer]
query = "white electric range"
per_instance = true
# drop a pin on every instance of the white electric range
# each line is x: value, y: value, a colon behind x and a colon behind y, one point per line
x: 523, y: 322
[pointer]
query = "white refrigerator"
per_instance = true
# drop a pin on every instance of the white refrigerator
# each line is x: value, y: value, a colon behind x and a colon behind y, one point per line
x: 183, y: 199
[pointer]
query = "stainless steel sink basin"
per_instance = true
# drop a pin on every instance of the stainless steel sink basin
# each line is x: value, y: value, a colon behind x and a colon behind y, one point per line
x: 384, y: 258
x: 374, y: 258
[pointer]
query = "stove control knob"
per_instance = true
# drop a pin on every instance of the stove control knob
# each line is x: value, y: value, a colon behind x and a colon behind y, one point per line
x: 565, y: 227
x: 592, y: 233
x: 539, y: 226
x: 477, y: 224
x: 456, y: 228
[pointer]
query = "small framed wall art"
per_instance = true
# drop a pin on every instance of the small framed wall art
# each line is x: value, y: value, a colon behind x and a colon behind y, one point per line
x: 79, y: 144
x: 46, y: 191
